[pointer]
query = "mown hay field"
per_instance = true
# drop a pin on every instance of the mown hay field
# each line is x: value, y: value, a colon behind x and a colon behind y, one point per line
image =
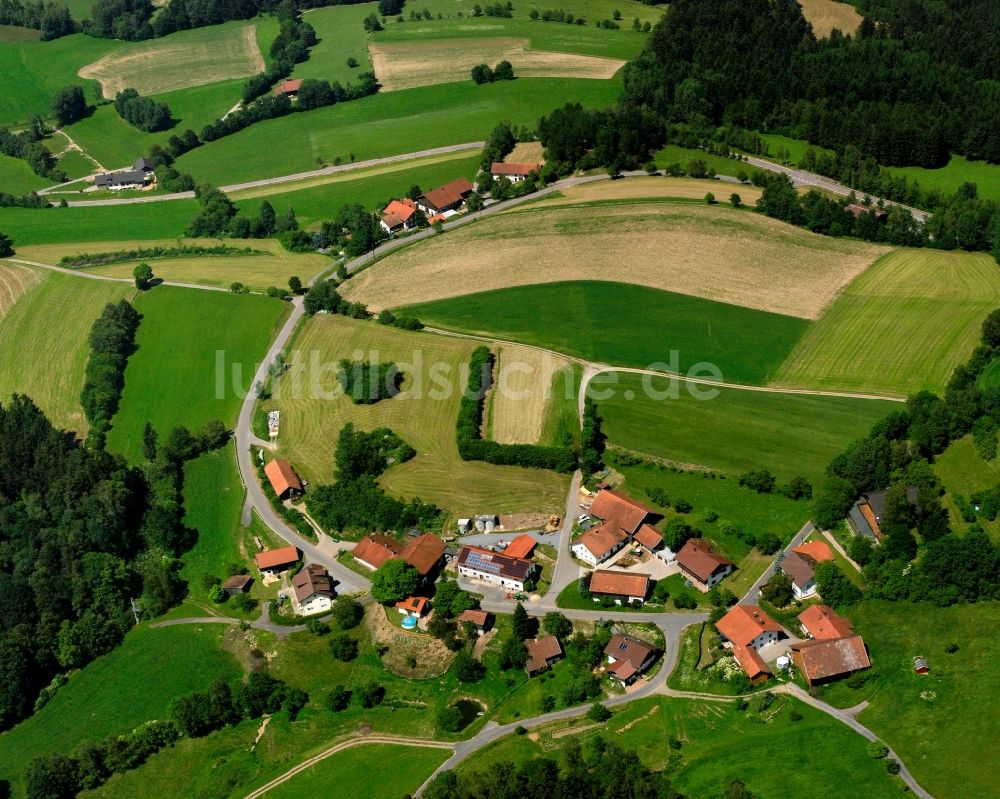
x: 718, y: 253
x: 406, y: 65
x: 43, y: 343
x: 642, y: 188
x: 313, y: 410
x: 732, y: 430
x: 825, y: 15
x: 15, y: 281
x: 519, y: 401
x: 179, y: 61
x: 900, y: 327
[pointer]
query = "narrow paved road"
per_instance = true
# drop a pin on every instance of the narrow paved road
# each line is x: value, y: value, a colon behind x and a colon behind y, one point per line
x: 750, y: 598
x: 262, y: 622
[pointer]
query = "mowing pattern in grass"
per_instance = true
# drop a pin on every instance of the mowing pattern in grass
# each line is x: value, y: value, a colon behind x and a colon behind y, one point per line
x: 116, y: 693
x: 184, y: 59
x: 718, y: 744
x: 737, y: 430
x: 720, y: 253
x: 172, y: 379
x: 900, y: 327
x: 963, y: 471
x: 626, y: 325
x: 518, y: 405
x: 562, y: 420
x: 313, y: 410
x: 15, y: 281
x: 43, y: 343
x: 366, y: 771
x: 387, y: 124
x: 940, y: 724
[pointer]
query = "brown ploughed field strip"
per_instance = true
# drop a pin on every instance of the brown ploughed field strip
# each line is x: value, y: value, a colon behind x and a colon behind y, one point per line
x: 718, y: 253
x: 406, y: 65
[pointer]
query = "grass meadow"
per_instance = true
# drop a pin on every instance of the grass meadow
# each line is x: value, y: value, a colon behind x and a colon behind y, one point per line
x: 27, y: 226
x: 313, y: 411
x: 626, y: 325
x: 16, y: 280
x: 718, y: 743
x: 900, y: 327
x: 674, y: 154
x: 172, y: 379
x: 46, y: 360
x: 16, y: 177
x: 737, y: 430
x: 341, y: 34
x: 365, y: 771
x: 134, y: 683
x: 962, y: 471
x: 387, y: 124
x: 958, y: 170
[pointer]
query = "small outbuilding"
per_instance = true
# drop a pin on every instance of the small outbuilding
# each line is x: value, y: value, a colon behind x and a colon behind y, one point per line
x: 237, y: 584
x: 543, y: 653
x: 275, y: 561
x: 521, y: 547
x: 288, y: 87
x: 481, y: 620
x: 920, y: 665
x: 284, y: 481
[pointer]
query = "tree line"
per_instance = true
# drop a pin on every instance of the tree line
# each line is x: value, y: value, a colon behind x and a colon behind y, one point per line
x: 112, y: 340
x: 82, y: 260
x: 27, y: 145
x: 468, y: 427
x: 52, y: 19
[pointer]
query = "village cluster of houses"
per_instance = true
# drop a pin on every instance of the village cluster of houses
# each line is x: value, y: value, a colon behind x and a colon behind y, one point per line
x: 445, y: 201
x: 627, y: 657
x: 831, y: 649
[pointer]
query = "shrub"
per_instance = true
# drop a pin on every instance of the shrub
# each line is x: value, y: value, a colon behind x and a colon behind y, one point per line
x: 598, y: 712
x: 795, y: 716
x: 347, y: 612
x: 951, y: 649
x: 876, y: 750
x: 450, y: 719
x: 759, y: 480
x: 520, y: 730
x: 468, y: 669
x: 685, y: 602
x: 343, y: 648
x: 761, y: 702
x: 370, y: 694
x: 892, y: 766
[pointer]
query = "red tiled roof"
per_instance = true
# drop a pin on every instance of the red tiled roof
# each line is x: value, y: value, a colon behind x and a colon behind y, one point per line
x: 288, y: 87
x: 449, y: 194
x: 601, y: 539
x: 870, y: 517
x: 521, y: 547
x: 276, y: 557
x: 817, y: 550
x: 751, y: 663
x: 603, y: 581
x: 541, y: 651
x: 282, y: 476
x: 699, y: 559
x: 398, y: 212
x: 744, y: 623
x: 313, y: 579
x: 423, y: 553
x: 819, y: 660
x: 648, y: 536
x: 413, y: 604
x: 515, y: 169
x: 375, y: 549
x: 619, y: 510
x: 478, y: 617
x: 822, y: 623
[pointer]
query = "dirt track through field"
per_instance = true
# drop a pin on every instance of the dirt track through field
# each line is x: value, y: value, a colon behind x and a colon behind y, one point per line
x: 716, y: 253
x: 405, y: 65
x: 164, y: 65
x: 15, y: 280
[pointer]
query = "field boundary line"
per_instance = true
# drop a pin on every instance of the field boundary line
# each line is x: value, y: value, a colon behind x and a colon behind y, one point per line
x: 420, y: 743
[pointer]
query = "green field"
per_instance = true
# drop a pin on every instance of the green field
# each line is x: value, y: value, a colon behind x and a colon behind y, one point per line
x: 314, y: 409
x: 341, y: 34
x: 796, y: 147
x: 114, y: 694
x: 900, y: 327
x: 172, y: 379
x: 627, y: 325
x: 948, y: 178
x: 719, y: 743
x: 938, y: 723
x: 101, y: 223
x: 16, y: 177
x: 15, y: 33
x: 732, y: 430
x: 962, y: 471
x: 366, y: 771
x: 387, y: 124
x: 75, y: 165
x: 672, y: 154
x: 45, y: 359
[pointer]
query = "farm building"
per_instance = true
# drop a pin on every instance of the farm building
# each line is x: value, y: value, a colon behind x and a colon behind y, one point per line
x: 313, y: 590
x: 628, y: 657
x: 748, y: 628
x: 284, y: 481
x: 702, y: 564
x: 450, y: 197
x: 800, y: 571
x: 515, y: 173
x: 481, y: 620
x: 822, y: 623
x: 865, y: 514
x: 521, y: 547
x: 620, y: 511
x: 237, y: 584
x: 599, y: 543
x: 753, y: 665
x: 398, y: 216
x: 622, y: 587
x: 288, y: 87
x: 827, y: 659
x: 275, y: 561
x: 425, y: 554
x: 415, y: 606
x: 649, y: 538
x: 543, y: 653
x: 495, y: 568
x: 817, y: 551
x: 126, y: 179
x: 374, y: 550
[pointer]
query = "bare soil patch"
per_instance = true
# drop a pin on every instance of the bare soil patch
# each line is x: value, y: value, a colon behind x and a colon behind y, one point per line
x: 405, y: 65
x: 825, y: 15
x: 432, y: 657
x: 165, y: 65
x: 15, y: 281
x: 718, y: 253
